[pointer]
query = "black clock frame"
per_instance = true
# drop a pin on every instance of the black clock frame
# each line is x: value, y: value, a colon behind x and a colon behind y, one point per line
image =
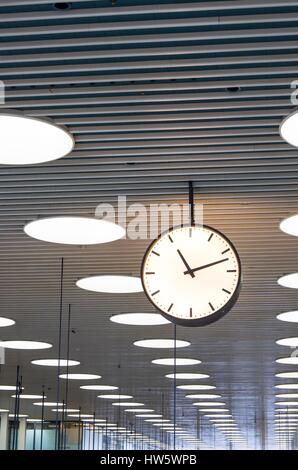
x: 214, y: 316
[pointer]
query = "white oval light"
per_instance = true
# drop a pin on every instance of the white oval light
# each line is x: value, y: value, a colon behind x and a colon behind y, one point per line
x: 26, y: 140
x: 80, y: 416
x: 287, y: 375
x: 161, y: 343
x: 98, y: 387
x: 6, y: 322
x: 288, y: 129
x: 74, y: 230
x: 115, y: 397
x: 291, y: 317
x: 137, y: 410
x: 291, y: 342
x: 290, y: 225
x: 47, y: 403
x: 208, y: 403
x: 55, y: 362
x: 128, y: 404
x: 287, y: 403
x: 196, y: 387
x: 287, y: 395
x: 25, y: 345
x: 80, y: 376
x: 65, y: 410
x: 289, y: 280
x: 288, y: 360
x: 8, y: 388
x: 203, y: 396
x: 139, y: 319
x: 170, y: 361
x: 148, y: 415
x: 187, y: 376
x: 28, y: 397
x: 290, y: 386
x: 111, y: 284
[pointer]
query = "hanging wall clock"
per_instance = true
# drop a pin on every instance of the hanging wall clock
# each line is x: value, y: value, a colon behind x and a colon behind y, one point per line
x: 192, y: 274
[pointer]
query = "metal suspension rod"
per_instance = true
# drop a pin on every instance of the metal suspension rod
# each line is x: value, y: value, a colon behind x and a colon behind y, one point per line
x: 57, y: 431
x: 191, y: 204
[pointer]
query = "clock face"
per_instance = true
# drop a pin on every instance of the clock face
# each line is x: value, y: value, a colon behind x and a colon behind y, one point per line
x: 192, y: 275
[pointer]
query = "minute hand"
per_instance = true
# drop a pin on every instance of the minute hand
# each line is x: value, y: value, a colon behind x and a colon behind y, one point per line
x: 207, y: 265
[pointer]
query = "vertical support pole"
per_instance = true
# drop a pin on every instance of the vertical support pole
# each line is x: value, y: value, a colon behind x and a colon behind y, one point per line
x: 191, y: 204
x: 175, y: 384
x: 42, y: 418
x: 57, y: 431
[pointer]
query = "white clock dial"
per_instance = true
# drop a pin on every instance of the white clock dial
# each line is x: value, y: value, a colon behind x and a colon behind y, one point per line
x: 192, y: 275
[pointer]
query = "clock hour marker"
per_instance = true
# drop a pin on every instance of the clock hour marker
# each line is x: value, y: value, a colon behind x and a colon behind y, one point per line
x: 190, y: 231
x: 170, y: 307
x: 211, y: 306
x: 227, y: 291
x: 157, y: 254
x: 150, y: 272
x: 225, y: 251
x: 156, y: 292
x: 231, y: 270
x: 210, y: 237
x: 190, y: 312
x: 170, y: 238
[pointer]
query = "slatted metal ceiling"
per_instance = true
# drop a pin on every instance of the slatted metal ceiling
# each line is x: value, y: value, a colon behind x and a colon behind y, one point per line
x: 156, y: 94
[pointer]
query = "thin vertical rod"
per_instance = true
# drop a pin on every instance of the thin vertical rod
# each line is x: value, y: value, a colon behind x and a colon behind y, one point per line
x: 16, y: 411
x: 79, y: 430
x: 175, y: 382
x: 191, y: 204
x: 57, y: 431
x: 67, y: 370
x: 42, y: 418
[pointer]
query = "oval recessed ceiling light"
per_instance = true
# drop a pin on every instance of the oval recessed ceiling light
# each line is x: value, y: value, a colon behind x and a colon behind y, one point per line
x: 28, y: 397
x: 111, y: 284
x: 98, y: 387
x: 187, y: 376
x: 55, y: 362
x: 66, y: 410
x: 80, y: 376
x: 170, y: 361
x: 196, y: 387
x: 287, y: 395
x: 215, y: 410
x: 115, y: 397
x: 290, y: 386
x: 203, y: 395
x: 47, y: 403
x: 288, y: 360
x: 128, y: 404
x: 289, y: 280
x: 9, y: 388
x: 290, y: 225
x: 219, y: 416
x: 69, y: 230
x: 287, y: 375
x: 286, y: 403
x: 208, y: 403
x: 291, y: 342
x: 288, y: 316
x: 161, y: 343
x: 288, y: 129
x: 157, y: 420
x: 148, y: 415
x: 11, y: 415
x: 80, y: 416
x: 222, y: 421
x: 2, y: 410
x: 6, y: 322
x: 137, y: 410
x: 26, y: 140
x: 139, y: 319
x: 25, y: 345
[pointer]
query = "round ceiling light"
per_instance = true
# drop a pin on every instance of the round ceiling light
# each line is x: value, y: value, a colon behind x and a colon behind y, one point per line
x: 287, y: 395
x: 66, y: 410
x: 115, y: 397
x: 24, y: 345
x: 111, y: 284
x: 187, y: 376
x: 170, y: 361
x: 291, y: 342
x: 47, y: 403
x: 287, y: 403
x: 292, y: 386
x: 2, y: 410
x: 128, y: 404
x: 289, y: 280
x: 287, y: 375
x: 224, y: 416
x: 149, y: 415
x: 288, y: 360
x: 137, y: 410
x: 161, y: 343
x: 28, y: 397
x: 69, y: 230
x: 203, y: 396
x: 157, y: 420
x: 26, y: 140
x: 80, y: 416
x: 216, y: 410
x: 6, y: 322
x: 208, y: 403
x: 196, y: 387
x: 80, y: 376
x: 98, y: 387
x: 288, y: 316
x: 55, y: 362
x: 288, y: 129
x: 290, y: 225
x: 8, y: 388
x: 139, y: 319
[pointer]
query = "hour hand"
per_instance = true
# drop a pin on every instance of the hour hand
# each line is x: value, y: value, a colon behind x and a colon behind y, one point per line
x: 189, y: 270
